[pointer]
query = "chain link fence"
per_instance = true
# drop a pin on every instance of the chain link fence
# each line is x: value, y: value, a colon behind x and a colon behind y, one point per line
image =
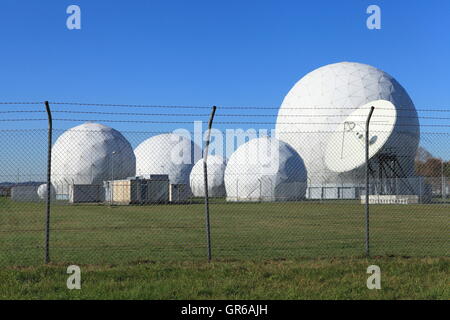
x: 136, y: 192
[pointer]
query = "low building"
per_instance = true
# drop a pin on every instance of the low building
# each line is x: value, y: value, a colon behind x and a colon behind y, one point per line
x: 179, y: 193
x: 390, y: 199
x: 154, y: 189
x: 416, y: 186
x: 25, y: 193
x: 5, y: 191
x: 334, y: 191
x: 86, y: 193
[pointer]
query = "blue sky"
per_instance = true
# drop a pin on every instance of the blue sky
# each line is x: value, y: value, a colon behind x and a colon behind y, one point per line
x: 228, y: 53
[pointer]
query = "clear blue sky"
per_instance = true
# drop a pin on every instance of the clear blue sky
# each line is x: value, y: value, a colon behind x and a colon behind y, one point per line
x: 229, y: 53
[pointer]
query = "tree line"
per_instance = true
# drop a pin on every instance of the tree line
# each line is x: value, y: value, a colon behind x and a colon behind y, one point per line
x: 432, y: 168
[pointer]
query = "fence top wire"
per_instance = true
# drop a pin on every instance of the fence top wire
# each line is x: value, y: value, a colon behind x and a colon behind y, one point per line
x: 218, y: 115
x: 24, y: 103
x: 169, y: 132
x: 56, y: 103
x: 22, y: 111
x: 21, y: 119
x: 218, y: 122
x: 444, y: 109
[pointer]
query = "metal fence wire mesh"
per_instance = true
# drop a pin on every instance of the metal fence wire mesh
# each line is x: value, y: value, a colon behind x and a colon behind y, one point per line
x: 127, y: 184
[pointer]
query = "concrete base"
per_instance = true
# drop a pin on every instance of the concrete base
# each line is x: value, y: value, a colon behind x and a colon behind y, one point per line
x: 391, y: 199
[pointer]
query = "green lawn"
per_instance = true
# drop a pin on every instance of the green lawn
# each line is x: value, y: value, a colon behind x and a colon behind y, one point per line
x: 343, y: 278
x: 97, y: 234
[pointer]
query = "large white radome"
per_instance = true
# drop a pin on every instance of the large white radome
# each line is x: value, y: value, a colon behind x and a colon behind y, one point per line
x: 216, y: 171
x: 169, y: 154
x: 90, y: 154
x: 317, y: 105
x: 265, y: 169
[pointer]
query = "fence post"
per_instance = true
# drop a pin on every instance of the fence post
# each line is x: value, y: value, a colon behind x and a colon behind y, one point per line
x: 49, y: 175
x: 442, y: 180
x: 205, y: 181
x: 367, y: 181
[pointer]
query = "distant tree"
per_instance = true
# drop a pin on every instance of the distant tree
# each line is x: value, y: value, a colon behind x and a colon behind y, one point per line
x: 447, y: 169
x: 432, y: 168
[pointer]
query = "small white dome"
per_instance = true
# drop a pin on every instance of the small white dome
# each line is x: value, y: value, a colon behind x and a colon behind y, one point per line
x: 170, y: 154
x: 216, y: 171
x: 42, y: 191
x: 265, y: 169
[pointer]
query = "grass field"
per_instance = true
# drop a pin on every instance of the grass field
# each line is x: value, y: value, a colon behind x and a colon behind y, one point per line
x: 343, y: 278
x: 97, y: 234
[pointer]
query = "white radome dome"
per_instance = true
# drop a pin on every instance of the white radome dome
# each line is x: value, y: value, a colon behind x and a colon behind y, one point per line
x: 168, y: 153
x: 265, y: 169
x: 42, y: 192
x: 317, y: 104
x: 90, y: 154
x: 216, y: 170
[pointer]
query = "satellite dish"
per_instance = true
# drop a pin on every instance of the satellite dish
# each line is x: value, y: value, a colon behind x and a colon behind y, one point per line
x: 345, y: 150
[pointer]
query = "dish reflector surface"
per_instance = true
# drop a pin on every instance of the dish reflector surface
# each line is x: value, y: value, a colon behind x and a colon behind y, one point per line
x: 345, y: 150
